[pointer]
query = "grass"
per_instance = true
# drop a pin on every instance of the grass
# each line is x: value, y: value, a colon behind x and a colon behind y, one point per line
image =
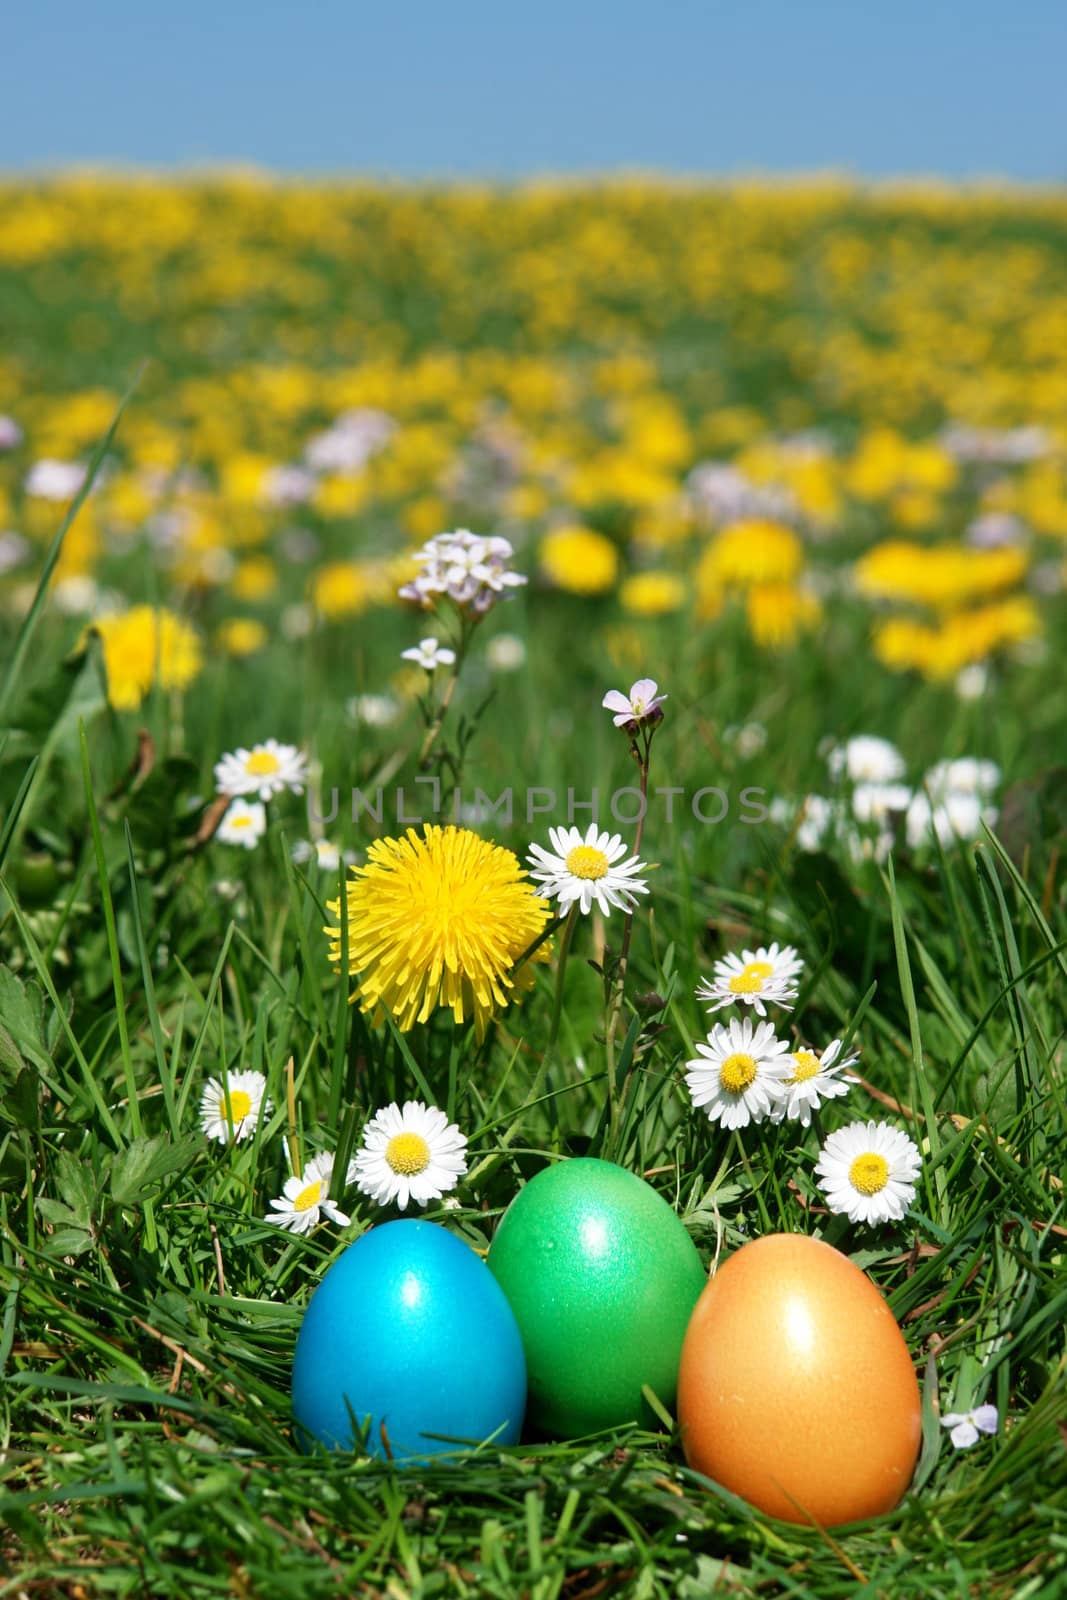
x: 149, y: 1314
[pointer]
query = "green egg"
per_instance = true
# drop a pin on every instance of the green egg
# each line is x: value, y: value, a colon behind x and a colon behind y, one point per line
x: 602, y: 1278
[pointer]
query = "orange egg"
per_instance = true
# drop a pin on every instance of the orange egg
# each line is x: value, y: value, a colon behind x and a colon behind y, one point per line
x: 796, y: 1390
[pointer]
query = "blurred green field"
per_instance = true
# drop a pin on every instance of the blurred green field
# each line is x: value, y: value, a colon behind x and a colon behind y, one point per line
x: 798, y: 453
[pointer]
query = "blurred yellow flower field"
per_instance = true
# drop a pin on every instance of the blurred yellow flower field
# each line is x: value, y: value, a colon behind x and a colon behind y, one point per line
x: 673, y: 397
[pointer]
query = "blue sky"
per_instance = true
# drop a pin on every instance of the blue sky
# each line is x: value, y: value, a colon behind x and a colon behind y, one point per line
x: 968, y: 88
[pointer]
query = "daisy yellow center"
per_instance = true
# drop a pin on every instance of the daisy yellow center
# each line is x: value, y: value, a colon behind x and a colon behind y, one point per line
x: 243, y: 821
x: 309, y: 1196
x: 746, y: 983
x: 261, y: 763
x: 240, y: 1105
x: 869, y: 1173
x: 586, y: 862
x: 737, y: 1072
x: 408, y: 1154
x: 805, y: 1066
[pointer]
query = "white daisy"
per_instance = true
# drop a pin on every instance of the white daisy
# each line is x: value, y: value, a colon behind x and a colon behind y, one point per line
x: 583, y: 870
x: 810, y: 819
x: 957, y: 818
x: 235, y: 1102
x: 265, y: 770
x: 305, y: 1199
x: 877, y: 802
x: 326, y: 855
x: 642, y: 704
x: 966, y: 776
x: 244, y: 823
x: 410, y: 1154
x: 748, y: 740
x: 868, y: 1171
x: 374, y: 710
x: 812, y: 1079
x: 967, y: 1425
x: 55, y: 480
x: 737, y: 1080
x: 506, y: 652
x: 972, y: 682
x: 429, y: 654
x: 10, y: 433
x: 753, y: 977
x: 866, y: 759
x: 13, y: 548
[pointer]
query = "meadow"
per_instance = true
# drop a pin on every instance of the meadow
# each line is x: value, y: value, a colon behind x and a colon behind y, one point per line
x: 797, y: 453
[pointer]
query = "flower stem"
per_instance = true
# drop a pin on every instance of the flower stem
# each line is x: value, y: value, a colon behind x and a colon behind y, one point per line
x: 546, y: 1060
x: 441, y: 713
x: 564, y: 950
x: 557, y: 1005
x: 619, y: 977
x: 643, y: 757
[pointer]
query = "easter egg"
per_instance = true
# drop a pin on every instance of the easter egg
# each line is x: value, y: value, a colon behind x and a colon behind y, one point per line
x: 796, y: 1390
x: 602, y: 1277
x: 410, y: 1329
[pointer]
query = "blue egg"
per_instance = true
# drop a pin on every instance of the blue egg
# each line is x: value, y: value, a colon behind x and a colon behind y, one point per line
x: 410, y: 1330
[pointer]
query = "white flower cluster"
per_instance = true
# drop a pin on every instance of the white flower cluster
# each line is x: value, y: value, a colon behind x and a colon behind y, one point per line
x: 949, y: 805
x: 408, y: 1154
x: 265, y: 770
x: 744, y: 1073
x: 350, y: 441
x: 471, y: 570
x: 10, y: 433
x: 953, y: 802
x: 722, y: 494
x: 342, y: 450
x: 55, y: 480
x: 1007, y: 447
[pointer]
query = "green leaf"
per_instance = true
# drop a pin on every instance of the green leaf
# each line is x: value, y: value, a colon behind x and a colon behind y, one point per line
x: 23, y: 1101
x: 22, y: 1011
x: 138, y: 1173
x: 69, y: 1242
x: 76, y: 1182
x: 11, y: 1058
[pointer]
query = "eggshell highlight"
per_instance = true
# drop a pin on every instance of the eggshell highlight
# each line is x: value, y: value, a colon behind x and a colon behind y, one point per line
x: 411, y: 1329
x: 602, y: 1278
x: 796, y: 1389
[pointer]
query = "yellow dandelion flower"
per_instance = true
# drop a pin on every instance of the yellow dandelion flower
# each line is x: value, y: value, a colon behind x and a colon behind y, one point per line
x: 942, y: 576
x: 526, y: 502
x: 757, y: 551
x: 145, y: 646
x: 337, y: 495
x: 344, y: 589
x: 255, y: 578
x: 965, y: 637
x: 425, y: 516
x: 437, y: 920
x: 652, y: 594
x: 710, y: 594
x: 778, y: 613
x: 241, y: 636
x: 579, y: 560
